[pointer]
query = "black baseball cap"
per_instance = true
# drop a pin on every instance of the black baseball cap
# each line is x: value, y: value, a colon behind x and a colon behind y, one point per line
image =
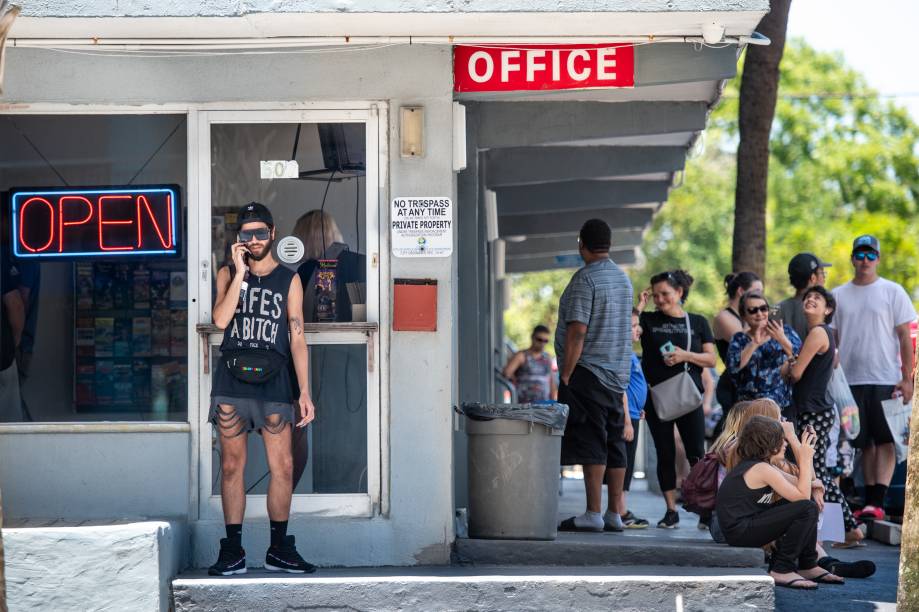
x: 253, y: 212
x: 866, y: 241
x: 803, y: 265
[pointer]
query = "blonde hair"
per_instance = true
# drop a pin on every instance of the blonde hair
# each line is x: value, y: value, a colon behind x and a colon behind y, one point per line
x: 764, y: 407
x: 731, y: 428
x: 318, y: 230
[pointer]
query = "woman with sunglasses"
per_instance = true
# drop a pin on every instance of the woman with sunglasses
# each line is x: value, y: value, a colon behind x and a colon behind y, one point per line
x: 756, y: 356
x: 727, y: 323
x: 531, y: 370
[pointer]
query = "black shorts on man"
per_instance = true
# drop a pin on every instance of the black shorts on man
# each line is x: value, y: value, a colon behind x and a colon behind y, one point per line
x: 593, y: 434
x: 873, y: 424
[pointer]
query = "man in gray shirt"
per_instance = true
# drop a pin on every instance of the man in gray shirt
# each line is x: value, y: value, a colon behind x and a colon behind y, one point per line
x: 593, y: 346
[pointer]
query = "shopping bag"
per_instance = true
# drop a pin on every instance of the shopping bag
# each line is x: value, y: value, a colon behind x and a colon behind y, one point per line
x: 841, y: 394
x: 830, y: 526
x: 897, y: 415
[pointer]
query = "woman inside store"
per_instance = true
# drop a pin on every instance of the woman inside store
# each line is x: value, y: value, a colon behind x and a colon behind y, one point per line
x: 675, y: 343
x: 334, y: 277
x: 756, y: 356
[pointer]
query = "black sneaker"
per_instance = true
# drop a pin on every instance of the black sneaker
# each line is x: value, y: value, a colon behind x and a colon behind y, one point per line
x: 232, y: 560
x: 671, y: 520
x: 285, y: 558
x: 630, y: 521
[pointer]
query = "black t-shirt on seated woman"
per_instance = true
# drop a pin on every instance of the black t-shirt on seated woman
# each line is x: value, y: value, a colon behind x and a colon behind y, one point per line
x: 657, y: 330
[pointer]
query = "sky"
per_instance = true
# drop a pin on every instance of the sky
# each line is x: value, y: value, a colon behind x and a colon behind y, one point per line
x: 876, y: 38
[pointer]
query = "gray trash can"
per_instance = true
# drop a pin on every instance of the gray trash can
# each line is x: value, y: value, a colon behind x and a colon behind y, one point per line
x: 513, y: 476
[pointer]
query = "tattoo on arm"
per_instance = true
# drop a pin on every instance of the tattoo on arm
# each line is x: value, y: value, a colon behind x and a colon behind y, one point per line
x: 296, y: 325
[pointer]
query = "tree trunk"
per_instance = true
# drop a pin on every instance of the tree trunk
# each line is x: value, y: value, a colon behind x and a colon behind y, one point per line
x: 758, y: 90
x: 908, y: 583
x: 3, y: 607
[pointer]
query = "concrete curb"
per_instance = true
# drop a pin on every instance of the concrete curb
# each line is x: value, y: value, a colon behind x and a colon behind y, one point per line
x: 497, y: 589
x: 601, y: 549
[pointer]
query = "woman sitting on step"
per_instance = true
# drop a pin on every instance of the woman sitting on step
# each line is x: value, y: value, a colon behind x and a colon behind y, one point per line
x: 724, y: 449
x: 746, y: 512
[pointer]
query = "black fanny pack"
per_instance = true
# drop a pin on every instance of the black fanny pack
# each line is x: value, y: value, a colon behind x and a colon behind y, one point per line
x: 254, y: 365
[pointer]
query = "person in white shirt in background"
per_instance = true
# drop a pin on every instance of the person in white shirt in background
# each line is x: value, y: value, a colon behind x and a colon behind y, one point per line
x: 875, y: 351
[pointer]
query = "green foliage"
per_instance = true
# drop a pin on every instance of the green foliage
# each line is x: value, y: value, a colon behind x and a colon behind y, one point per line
x: 843, y: 162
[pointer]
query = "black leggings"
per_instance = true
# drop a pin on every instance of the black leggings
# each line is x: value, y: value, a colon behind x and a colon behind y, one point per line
x: 793, y: 528
x: 692, y: 432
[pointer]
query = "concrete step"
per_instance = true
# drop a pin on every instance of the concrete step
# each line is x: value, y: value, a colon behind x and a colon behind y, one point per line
x: 646, y: 547
x: 626, y: 589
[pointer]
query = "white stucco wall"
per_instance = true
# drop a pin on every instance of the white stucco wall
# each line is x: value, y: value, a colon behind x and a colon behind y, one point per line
x: 227, y: 8
x: 418, y: 527
x: 106, y: 567
x: 94, y: 475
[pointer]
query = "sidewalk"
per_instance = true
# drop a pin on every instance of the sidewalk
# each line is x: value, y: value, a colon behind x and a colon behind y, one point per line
x: 876, y: 593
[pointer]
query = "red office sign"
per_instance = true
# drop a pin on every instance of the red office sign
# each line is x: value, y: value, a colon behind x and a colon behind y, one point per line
x: 542, y: 67
x: 91, y: 222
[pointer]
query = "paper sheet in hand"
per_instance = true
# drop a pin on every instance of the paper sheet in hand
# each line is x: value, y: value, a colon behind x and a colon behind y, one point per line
x: 830, y: 525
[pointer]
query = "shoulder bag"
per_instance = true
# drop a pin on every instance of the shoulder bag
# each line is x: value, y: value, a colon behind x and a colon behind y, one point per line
x: 678, y: 395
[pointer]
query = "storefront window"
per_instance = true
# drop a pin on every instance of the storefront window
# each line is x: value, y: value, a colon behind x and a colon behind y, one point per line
x: 104, y: 331
x: 318, y: 200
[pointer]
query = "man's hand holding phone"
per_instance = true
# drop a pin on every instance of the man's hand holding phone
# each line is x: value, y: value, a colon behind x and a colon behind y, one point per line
x: 240, y: 255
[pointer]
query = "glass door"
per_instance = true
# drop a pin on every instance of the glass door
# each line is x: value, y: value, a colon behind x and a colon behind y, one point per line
x: 318, y: 173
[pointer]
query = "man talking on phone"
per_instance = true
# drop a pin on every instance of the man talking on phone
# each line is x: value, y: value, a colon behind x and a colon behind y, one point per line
x: 260, y: 308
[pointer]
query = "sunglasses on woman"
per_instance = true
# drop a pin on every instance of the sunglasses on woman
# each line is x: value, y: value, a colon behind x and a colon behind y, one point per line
x: 259, y: 234
x: 752, y: 310
x: 863, y: 255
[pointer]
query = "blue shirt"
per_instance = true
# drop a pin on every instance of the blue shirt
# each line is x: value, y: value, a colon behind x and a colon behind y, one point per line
x: 599, y: 295
x: 761, y: 377
x: 637, y: 392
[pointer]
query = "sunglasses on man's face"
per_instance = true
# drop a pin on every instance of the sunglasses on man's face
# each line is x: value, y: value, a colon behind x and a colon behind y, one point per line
x: 541, y: 340
x: 863, y: 255
x: 257, y: 234
x: 752, y: 310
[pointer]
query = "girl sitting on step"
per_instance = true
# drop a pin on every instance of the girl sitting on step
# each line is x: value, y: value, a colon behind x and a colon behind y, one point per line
x: 746, y: 512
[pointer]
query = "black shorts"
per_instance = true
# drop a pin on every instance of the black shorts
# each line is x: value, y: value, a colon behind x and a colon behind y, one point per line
x: 874, y: 428
x: 593, y: 433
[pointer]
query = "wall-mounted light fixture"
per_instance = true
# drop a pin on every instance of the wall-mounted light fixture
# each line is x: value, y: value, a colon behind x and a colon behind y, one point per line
x: 412, y: 135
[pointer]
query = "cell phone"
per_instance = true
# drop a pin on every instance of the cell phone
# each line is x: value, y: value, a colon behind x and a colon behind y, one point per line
x: 667, y: 348
x: 775, y: 314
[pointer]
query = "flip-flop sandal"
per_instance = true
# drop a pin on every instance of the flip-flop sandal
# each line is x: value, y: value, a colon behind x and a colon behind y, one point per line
x: 569, y: 525
x: 850, y: 544
x: 821, y: 579
x: 788, y: 585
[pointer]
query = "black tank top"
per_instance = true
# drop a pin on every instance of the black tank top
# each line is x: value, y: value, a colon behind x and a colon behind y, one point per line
x: 736, y: 501
x: 722, y: 345
x: 810, y: 391
x: 260, y: 321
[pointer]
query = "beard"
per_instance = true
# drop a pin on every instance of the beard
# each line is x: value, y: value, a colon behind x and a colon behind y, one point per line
x: 265, y: 252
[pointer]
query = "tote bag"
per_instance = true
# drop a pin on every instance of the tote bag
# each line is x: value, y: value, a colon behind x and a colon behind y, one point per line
x: 677, y: 395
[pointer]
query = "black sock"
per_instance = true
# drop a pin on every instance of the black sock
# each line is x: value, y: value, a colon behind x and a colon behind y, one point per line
x: 278, y: 532
x: 869, y: 494
x: 880, y: 492
x: 235, y: 534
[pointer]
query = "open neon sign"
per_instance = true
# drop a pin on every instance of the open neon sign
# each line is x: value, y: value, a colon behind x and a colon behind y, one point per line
x: 96, y: 222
